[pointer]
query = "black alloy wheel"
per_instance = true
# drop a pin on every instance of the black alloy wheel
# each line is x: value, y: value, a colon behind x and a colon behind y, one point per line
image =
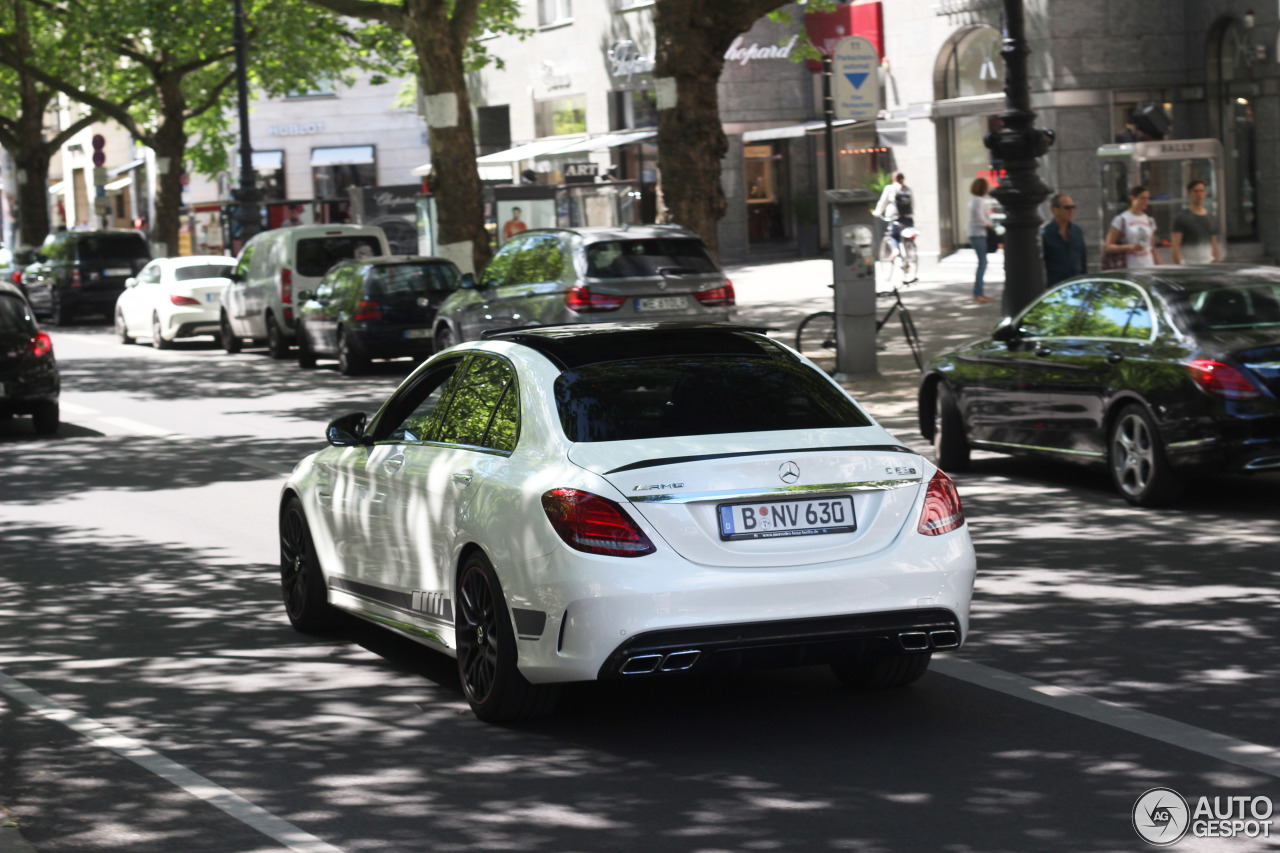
x: 950, y: 445
x: 230, y: 340
x: 277, y: 346
x: 444, y: 338
x: 350, y: 360
x: 486, y: 644
x: 157, y: 336
x: 45, y: 419
x: 301, y: 583
x: 306, y: 355
x: 122, y: 330
x: 882, y: 672
x: 1136, y: 460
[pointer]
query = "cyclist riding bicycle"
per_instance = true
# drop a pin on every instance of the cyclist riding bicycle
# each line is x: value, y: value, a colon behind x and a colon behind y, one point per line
x: 895, y: 208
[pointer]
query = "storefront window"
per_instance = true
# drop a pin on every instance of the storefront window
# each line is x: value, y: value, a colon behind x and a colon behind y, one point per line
x: 1231, y: 103
x: 633, y: 108
x: 765, y: 172
x: 561, y: 116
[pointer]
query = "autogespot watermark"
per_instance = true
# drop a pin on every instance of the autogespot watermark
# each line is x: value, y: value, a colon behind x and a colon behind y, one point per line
x: 1161, y: 816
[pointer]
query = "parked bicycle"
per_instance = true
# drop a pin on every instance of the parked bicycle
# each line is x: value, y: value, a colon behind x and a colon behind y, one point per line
x: 816, y: 337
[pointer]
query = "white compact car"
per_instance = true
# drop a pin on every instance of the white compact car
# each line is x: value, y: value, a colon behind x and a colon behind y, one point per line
x: 607, y: 501
x: 173, y: 298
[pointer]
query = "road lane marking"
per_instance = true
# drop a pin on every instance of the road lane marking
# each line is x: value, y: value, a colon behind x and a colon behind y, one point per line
x: 1264, y: 759
x: 140, y: 428
x: 145, y: 757
x: 137, y: 426
x: 75, y: 409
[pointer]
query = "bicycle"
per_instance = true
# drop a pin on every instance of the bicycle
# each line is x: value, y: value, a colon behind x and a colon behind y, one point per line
x: 816, y: 337
x: 904, y: 258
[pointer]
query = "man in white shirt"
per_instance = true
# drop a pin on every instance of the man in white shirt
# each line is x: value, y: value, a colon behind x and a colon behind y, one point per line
x: 895, y: 207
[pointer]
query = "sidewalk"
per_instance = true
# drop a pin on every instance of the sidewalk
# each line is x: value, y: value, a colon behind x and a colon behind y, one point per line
x: 11, y: 840
x: 783, y: 293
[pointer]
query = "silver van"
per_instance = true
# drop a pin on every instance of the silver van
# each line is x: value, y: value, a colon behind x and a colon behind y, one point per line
x: 549, y: 277
x: 259, y: 302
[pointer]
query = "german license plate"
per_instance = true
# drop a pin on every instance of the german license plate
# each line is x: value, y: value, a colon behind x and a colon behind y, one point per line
x: 117, y: 271
x: 661, y: 303
x: 777, y: 519
x: 417, y: 333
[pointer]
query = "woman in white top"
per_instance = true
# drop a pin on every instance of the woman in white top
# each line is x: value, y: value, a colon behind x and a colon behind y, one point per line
x: 1132, y: 235
x: 979, y: 222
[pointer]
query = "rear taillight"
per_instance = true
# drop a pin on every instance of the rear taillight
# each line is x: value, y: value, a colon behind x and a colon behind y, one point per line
x: 368, y: 311
x: 581, y: 299
x: 16, y: 277
x: 942, y: 511
x: 75, y: 278
x: 40, y: 346
x: 183, y: 300
x: 1221, y: 380
x: 597, y: 525
x: 286, y: 286
x: 718, y: 295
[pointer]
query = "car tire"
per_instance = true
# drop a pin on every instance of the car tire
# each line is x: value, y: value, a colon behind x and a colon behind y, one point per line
x: 277, y: 346
x: 486, y: 644
x: 1135, y: 457
x: 306, y: 355
x: 122, y: 330
x: 157, y: 334
x: 230, y: 341
x: 882, y: 672
x: 302, y: 585
x: 351, y: 361
x: 444, y: 338
x: 58, y: 313
x: 950, y: 445
x: 45, y: 419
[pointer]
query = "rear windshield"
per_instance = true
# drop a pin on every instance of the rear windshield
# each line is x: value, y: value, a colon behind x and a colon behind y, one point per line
x: 201, y: 271
x: 412, y: 279
x: 14, y: 319
x: 631, y: 258
x: 317, y: 254
x: 113, y: 247
x: 1244, y: 306
x: 705, y: 395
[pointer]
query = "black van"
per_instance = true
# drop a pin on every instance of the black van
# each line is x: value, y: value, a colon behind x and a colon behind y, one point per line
x: 82, y: 272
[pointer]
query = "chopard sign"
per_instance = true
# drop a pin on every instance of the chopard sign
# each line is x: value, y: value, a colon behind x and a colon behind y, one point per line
x: 743, y: 55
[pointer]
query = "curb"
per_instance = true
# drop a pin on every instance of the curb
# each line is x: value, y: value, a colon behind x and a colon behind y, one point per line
x: 11, y: 840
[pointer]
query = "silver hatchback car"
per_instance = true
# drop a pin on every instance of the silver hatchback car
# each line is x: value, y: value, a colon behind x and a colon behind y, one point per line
x: 549, y: 277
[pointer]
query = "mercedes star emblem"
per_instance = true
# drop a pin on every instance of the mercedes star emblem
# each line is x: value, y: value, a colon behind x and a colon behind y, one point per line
x: 788, y: 472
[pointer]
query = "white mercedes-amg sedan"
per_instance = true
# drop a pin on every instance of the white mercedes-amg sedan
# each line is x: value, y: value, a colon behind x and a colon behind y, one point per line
x: 628, y: 501
x: 173, y: 298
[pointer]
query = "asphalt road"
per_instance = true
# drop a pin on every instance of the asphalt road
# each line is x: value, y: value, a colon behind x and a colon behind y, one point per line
x: 154, y: 698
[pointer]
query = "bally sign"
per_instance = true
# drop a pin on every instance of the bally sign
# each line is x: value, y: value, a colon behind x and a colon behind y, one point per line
x: 855, y: 73
x: 580, y: 173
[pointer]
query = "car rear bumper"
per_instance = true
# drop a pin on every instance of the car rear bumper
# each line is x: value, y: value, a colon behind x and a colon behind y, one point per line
x: 391, y: 342
x: 28, y: 390
x: 187, y: 324
x: 1240, y: 445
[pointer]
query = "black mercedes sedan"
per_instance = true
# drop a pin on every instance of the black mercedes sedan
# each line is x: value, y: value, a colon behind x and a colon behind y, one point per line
x: 29, y: 380
x: 1156, y: 373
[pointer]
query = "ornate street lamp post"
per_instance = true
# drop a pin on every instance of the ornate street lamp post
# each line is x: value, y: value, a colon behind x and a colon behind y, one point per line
x: 1018, y: 143
x: 248, y: 213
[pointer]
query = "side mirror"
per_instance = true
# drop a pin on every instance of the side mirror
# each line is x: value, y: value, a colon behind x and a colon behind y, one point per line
x: 347, y: 431
x: 231, y: 274
x: 305, y: 296
x: 130, y: 282
x: 467, y: 282
x: 1006, y: 331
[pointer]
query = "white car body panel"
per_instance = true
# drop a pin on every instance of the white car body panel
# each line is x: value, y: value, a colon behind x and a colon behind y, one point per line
x: 142, y: 301
x: 407, y: 534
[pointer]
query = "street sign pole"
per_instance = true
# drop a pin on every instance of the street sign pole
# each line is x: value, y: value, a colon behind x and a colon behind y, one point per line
x: 248, y: 213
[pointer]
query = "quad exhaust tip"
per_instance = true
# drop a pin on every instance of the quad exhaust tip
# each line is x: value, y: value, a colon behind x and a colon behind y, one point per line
x: 671, y: 662
x: 921, y: 641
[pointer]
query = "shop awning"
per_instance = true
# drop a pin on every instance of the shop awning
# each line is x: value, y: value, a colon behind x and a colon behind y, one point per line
x: 127, y: 167
x: 527, y: 151
x: 352, y: 155
x: 271, y: 161
x: 609, y: 140
x: 118, y: 184
x: 423, y: 170
x: 58, y: 189
x: 791, y: 131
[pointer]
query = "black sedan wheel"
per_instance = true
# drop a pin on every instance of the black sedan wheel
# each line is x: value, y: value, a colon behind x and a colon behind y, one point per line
x: 45, y: 419
x: 350, y: 360
x: 277, y: 346
x: 306, y: 355
x: 444, y: 338
x: 1136, y: 459
x: 302, y: 585
x: 950, y: 446
x: 486, y: 645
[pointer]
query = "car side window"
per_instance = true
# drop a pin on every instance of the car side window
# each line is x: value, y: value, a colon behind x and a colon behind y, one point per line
x: 476, y: 405
x: 540, y: 259
x: 1057, y: 313
x: 415, y: 413
x: 150, y: 275
x: 499, y: 268
x: 1116, y: 310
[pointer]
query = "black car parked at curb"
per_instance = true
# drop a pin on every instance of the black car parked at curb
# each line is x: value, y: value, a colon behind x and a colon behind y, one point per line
x: 29, y: 380
x: 1158, y: 374
x: 83, y: 272
x: 370, y: 308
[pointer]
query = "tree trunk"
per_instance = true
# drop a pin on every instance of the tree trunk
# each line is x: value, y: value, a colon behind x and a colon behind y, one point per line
x: 170, y: 145
x: 31, y: 161
x: 455, y: 179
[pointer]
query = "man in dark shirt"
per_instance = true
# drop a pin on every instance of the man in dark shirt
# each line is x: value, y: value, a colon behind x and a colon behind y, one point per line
x: 1195, y: 231
x: 1064, y: 251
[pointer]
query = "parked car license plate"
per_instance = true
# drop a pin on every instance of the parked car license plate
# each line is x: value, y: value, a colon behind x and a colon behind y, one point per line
x: 117, y: 271
x: 776, y: 519
x: 661, y: 303
x: 417, y: 333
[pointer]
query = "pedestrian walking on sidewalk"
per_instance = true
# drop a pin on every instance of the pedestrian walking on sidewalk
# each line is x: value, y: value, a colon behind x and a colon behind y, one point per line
x: 1064, y: 250
x: 1195, y: 231
x: 979, y: 223
x: 1132, y: 235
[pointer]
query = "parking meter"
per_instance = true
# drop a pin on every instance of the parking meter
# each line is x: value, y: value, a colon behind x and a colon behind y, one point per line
x: 853, y: 241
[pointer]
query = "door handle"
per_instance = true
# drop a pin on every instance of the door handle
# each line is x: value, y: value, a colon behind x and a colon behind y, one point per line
x: 393, y: 464
x: 1114, y: 358
x: 462, y: 478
